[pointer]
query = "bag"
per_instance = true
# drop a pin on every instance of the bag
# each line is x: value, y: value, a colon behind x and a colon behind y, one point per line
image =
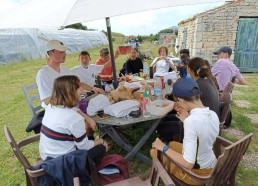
x: 36, y: 122
x: 115, y: 161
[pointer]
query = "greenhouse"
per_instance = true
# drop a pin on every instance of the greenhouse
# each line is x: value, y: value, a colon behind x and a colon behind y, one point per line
x: 26, y: 44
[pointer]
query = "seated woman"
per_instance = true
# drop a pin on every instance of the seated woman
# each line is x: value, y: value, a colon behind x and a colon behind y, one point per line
x: 134, y: 64
x: 63, y: 128
x: 162, y: 63
x: 200, y: 72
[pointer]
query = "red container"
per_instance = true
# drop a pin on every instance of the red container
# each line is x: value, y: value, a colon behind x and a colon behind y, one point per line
x: 124, y: 49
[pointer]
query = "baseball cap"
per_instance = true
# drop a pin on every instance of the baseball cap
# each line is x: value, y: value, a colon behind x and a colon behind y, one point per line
x: 55, y: 45
x: 224, y: 49
x: 104, y: 51
x: 185, y: 88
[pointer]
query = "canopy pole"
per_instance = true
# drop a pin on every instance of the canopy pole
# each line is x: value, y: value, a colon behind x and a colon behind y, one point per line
x: 115, y: 82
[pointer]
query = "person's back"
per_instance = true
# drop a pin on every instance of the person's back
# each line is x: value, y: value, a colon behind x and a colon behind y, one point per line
x: 203, y: 122
x: 200, y: 72
x: 210, y: 95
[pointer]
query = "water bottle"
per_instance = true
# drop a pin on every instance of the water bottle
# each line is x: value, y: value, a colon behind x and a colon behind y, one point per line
x: 145, y: 70
x: 83, y: 104
x: 169, y: 86
x: 145, y: 104
x: 158, y: 88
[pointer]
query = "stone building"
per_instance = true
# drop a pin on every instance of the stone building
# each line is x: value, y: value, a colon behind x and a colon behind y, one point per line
x: 234, y: 24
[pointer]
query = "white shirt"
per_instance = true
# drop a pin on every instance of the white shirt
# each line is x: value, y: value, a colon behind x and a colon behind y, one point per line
x: 65, y: 121
x: 202, y: 123
x: 162, y: 66
x: 87, y: 75
x: 45, y: 81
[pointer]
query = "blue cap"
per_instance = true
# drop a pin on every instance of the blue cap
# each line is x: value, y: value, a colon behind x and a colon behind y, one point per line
x: 186, y: 88
x: 224, y: 49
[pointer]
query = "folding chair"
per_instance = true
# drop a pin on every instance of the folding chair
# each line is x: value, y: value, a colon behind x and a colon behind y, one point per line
x: 32, y: 97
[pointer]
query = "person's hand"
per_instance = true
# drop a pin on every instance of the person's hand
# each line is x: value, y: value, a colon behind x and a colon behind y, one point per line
x: 158, y: 144
x: 106, y: 145
x: 117, y: 53
x: 98, y: 90
x: 181, y: 114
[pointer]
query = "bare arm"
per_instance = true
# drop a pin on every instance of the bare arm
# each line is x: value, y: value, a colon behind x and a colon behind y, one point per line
x: 241, y: 81
x: 46, y: 101
x: 90, y: 88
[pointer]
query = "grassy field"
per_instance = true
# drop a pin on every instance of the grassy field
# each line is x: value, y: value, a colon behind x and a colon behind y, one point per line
x: 15, y: 114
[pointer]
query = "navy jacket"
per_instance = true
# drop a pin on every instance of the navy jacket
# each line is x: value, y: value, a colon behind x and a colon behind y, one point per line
x: 62, y: 170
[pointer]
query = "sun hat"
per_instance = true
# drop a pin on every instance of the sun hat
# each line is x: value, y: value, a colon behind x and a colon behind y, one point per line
x: 104, y: 51
x: 55, y: 45
x: 223, y: 49
x: 185, y: 88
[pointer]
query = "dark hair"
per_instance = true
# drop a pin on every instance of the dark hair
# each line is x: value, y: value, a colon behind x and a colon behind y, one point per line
x: 198, y: 66
x: 84, y: 53
x: 213, y: 78
x: 135, y: 49
x: 184, y: 51
x: 163, y: 47
x: 64, y: 91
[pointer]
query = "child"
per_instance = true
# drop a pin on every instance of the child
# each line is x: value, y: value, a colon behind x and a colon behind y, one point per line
x: 182, y: 65
x: 63, y: 128
x: 201, y: 128
x: 134, y: 64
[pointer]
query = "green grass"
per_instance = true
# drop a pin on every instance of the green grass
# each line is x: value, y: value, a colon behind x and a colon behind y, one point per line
x: 15, y: 113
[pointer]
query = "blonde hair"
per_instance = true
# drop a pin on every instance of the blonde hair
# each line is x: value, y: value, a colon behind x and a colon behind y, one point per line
x: 65, y: 91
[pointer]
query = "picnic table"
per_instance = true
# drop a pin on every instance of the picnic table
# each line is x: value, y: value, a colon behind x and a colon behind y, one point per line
x: 111, y: 127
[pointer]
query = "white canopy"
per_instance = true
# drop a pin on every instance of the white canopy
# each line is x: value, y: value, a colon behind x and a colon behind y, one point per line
x: 41, y: 13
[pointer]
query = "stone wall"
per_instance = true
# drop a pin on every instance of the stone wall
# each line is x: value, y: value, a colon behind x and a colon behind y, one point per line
x: 214, y: 28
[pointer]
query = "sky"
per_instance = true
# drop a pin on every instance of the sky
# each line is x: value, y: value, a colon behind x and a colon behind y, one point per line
x: 143, y: 23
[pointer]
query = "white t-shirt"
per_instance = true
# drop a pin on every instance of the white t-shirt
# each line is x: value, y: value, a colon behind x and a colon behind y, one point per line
x: 162, y: 66
x: 87, y: 75
x: 63, y: 121
x: 45, y: 81
x: 202, y: 123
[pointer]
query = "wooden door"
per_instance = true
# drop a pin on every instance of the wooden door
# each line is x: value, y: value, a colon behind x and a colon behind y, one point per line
x: 246, y: 53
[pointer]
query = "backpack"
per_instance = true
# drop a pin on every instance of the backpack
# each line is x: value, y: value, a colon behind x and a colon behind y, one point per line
x: 116, y: 161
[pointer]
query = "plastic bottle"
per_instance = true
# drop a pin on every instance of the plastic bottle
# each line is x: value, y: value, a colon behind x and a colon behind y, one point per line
x: 145, y: 103
x: 145, y: 70
x: 83, y: 104
x: 158, y: 88
x: 169, y: 86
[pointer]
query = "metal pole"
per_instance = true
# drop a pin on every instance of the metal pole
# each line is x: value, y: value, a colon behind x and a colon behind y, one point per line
x: 115, y: 82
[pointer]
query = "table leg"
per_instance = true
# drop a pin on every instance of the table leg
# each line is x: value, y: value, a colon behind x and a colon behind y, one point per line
x: 133, y: 151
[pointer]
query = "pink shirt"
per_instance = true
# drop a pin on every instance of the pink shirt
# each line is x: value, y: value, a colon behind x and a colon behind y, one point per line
x: 224, y: 71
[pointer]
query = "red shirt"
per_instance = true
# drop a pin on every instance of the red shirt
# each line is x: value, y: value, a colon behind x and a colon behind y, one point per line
x: 105, y: 71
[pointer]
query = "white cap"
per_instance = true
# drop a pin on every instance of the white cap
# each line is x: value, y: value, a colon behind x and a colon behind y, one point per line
x: 55, y: 45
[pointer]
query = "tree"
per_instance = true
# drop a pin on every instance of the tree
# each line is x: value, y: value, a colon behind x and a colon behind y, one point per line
x: 77, y: 26
x: 167, y: 30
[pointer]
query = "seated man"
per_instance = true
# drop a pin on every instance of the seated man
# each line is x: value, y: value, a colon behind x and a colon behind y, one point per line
x: 201, y: 128
x: 86, y: 72
x: 225, y: 70
x: 46, y: 75
x: 182, y: 64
